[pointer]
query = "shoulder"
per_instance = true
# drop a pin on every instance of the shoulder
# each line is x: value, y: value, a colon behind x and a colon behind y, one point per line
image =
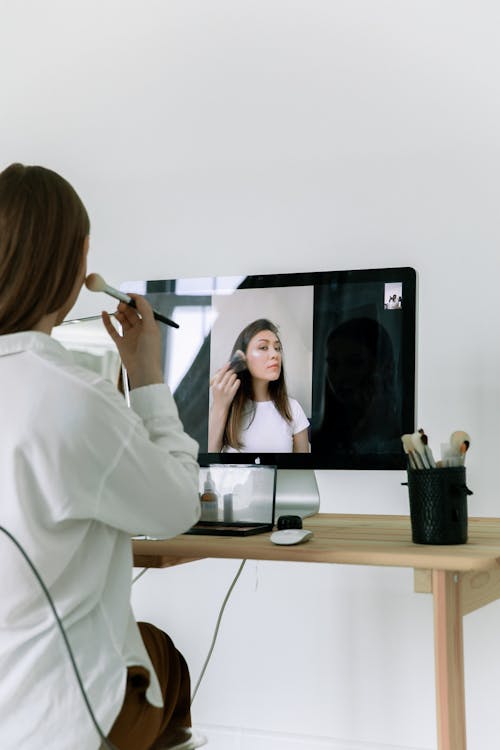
x: 296, y: 408
x: 299, y: 419
x: 80, y: 394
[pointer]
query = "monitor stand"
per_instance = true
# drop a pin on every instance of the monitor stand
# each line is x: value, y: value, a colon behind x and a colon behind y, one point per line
x: 296, y: 493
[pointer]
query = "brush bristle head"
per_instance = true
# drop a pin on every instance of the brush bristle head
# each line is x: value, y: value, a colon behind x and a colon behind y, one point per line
x: 407, y: 443
x: 238, y: 361
x: 458, y: 438
x: 95, y: 283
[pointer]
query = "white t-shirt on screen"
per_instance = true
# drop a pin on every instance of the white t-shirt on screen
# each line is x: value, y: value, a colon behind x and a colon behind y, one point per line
x: 268, y: 431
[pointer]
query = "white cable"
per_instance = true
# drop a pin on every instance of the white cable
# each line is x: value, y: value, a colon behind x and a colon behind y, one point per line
x: 105, y: 741
x: 139, y: 575
x: 68, y: 647
x: 217, y: 625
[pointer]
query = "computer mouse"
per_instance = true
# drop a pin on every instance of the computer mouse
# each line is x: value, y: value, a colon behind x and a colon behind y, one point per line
x: 290, y: 536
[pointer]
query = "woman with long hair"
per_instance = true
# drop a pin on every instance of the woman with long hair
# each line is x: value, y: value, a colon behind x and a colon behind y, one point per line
x: 251, y: 411
x: 80, y: 473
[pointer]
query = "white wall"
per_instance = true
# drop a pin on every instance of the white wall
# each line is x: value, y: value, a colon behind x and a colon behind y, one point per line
x: 235, y: 136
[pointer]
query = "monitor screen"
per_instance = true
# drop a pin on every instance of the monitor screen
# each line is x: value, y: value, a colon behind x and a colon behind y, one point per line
x: 301, y: 371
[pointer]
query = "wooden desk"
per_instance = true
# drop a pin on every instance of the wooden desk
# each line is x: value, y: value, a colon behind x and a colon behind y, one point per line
x: 461, y: 579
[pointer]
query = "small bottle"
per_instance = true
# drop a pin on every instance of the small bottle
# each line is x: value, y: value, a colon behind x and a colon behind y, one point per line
x: 209, y: 500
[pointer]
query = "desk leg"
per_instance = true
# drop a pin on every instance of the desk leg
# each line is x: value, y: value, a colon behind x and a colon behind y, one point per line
x: 449, y: 659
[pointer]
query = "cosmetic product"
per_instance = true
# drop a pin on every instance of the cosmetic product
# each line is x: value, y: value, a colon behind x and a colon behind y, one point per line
x: 209, y: 500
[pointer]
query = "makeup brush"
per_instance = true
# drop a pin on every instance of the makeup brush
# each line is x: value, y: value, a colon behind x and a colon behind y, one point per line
x: 419, y: 449
x: 427, y: 450
x: 238, y: 361
x: 95, y: 283
x: 460, y: 442
x: 413, y: 458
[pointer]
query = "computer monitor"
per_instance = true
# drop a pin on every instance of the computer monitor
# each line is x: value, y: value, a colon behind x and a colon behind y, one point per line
x: 347, y: 341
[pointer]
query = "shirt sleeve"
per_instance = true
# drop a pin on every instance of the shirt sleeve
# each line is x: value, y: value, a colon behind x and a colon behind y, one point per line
x: 134, y: 469
x: 156, y: 470
x: 299, y: 420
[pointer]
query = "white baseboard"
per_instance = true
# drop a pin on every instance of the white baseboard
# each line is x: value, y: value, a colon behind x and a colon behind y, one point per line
x: 231, y: 738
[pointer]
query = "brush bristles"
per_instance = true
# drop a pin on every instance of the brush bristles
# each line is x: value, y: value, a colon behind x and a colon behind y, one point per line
x: 458, y: 439
x: 95, y: 283
x: 238, y: 361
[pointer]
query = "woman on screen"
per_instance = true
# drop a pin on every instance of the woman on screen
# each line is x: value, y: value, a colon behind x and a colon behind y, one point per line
x: 251, y: 411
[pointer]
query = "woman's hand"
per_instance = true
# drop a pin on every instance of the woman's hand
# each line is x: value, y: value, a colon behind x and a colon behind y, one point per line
x: 224, y: 385
x: 139, y: 344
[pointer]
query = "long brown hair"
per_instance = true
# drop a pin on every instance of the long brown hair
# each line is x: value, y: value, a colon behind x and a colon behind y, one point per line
x: 245, y: 395
x: 43, y: 226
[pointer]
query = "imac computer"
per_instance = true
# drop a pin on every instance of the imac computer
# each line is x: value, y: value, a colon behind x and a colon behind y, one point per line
x: 344, y: 372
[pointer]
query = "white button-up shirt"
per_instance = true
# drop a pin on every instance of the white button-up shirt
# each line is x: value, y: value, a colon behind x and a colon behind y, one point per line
x: 80, y: 473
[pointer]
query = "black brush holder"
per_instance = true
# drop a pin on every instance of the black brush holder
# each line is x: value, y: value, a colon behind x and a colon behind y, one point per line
x: 438, y: 505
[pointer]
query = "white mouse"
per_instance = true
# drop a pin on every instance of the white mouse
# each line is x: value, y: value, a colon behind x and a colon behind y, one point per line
x: 290, y: 536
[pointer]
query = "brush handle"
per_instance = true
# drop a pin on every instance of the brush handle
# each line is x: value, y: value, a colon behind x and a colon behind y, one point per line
x: 129, y: 301
x: 419, y: 461
x: 430, y: 457
x: 420, y: 451
x: 411, y: 461
x: 157, y: 315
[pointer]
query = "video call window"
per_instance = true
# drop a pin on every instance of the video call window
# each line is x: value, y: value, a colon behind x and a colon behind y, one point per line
x: 330, y: 359
x: 393, y: 296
